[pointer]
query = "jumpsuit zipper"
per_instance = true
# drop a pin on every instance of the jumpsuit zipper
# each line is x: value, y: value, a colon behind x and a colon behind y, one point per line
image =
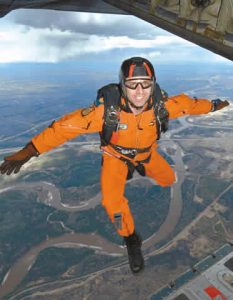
x: 74, y: 127
x: 138, y: 121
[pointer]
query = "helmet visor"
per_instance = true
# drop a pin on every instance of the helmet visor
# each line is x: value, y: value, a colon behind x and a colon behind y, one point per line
x: 132, y: 83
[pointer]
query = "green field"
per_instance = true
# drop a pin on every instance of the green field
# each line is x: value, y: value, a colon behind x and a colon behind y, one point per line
x: 66, y: 263
x: 22, y: 225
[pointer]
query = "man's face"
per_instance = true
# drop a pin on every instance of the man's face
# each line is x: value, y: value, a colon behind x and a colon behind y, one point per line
x: 138, y: 90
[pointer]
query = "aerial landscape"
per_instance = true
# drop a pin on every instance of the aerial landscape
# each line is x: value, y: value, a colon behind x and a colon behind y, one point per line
x: 56, y: 240
x: 55, y: 236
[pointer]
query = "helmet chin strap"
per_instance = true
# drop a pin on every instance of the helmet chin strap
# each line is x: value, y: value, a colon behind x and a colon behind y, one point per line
x: 134, y: 106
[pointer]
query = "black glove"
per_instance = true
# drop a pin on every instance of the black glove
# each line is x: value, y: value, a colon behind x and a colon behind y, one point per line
x: 14, y: 162
x: 218, y: 104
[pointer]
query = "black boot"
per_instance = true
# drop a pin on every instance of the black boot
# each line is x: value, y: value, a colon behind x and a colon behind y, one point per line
x: 136, y: 261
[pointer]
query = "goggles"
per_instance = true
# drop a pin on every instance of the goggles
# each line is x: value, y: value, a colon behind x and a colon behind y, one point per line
x: 132, y: 84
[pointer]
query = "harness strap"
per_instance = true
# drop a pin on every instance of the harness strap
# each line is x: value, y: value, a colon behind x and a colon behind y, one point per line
x: 130, y: 152
x: 132, y: 165
x: 138, y: 165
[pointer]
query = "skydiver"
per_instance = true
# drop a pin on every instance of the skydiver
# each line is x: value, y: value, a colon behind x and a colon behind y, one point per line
x: 129, y: 117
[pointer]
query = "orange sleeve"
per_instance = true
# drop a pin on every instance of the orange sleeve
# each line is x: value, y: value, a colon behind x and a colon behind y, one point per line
x: 81, y: 121
x: 182, y: 105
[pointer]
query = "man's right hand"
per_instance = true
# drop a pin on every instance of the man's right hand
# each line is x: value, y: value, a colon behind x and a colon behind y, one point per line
x: 13, y: 163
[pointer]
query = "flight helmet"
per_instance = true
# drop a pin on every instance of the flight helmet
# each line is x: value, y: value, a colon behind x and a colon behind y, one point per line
x: 136, y: 67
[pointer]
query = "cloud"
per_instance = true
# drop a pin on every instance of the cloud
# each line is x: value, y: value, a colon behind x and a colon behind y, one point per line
x: 18, y: 87
x: 23, y: 43
x: 50, y: 36
x: 86, y: 23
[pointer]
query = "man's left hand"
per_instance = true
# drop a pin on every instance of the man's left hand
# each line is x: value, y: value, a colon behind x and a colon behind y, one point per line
x: 218, y: 104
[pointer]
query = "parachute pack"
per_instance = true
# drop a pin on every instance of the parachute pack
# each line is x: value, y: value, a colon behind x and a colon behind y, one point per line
x: 110, y: 96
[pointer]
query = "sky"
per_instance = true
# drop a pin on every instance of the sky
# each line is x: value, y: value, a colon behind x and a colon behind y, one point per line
x: 51, y: 37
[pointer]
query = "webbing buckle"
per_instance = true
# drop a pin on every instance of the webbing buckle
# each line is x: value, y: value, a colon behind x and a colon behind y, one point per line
x: 128, y: 151
x: 112, y: 116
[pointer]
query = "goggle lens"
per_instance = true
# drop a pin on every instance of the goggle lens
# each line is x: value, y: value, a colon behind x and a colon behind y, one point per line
x: 133, y: 84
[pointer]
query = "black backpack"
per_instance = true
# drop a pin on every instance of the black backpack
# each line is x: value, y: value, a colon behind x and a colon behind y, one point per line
x: 110, y: 96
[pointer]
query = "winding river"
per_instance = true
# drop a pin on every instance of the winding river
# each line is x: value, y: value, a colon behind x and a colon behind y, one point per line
x: 50, y: 195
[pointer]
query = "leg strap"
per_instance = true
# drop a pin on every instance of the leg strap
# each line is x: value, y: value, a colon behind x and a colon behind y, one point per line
x: 138, y: 165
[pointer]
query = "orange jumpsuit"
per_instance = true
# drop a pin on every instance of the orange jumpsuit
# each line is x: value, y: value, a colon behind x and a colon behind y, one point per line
x: 135, y: 131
